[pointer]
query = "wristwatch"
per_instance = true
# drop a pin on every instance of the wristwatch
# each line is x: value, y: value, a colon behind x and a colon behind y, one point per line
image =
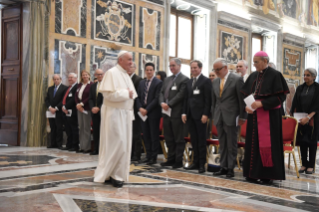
x: 308, y: 117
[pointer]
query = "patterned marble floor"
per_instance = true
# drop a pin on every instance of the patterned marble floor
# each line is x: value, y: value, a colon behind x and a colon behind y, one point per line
x: 40, y: 179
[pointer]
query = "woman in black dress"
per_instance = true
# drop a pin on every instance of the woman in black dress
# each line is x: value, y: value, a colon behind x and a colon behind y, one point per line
x: 306, y: 101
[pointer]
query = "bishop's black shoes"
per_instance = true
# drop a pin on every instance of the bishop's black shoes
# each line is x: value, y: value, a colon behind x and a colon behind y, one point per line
x: 168, y: 163
x: 151, y: 162
x: 177, y: 165
x: 201, y: 169
x: 145, y: 160
x: 222, y: 171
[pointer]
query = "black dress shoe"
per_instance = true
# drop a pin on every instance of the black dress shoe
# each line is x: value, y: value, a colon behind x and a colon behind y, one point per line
x: 145, y: 160
x: 168, y: 163
x: 65, y: 148
x: 79, y: 151
x: 73, y: 149
x: 251, y: 179
x: 177, y: 165
x: 117, y: 183
x: 309, y: 172
x: 201, y: 169
x: 108, y: 181
x: 230, y: 173
x: 266, y: 181
x: 94, y: 153
x: 52, y: 146
x: 151, y: 162
x: 135, y: 159
x: 87, y: 151
x: 192, y: 167
x: 220, y: 172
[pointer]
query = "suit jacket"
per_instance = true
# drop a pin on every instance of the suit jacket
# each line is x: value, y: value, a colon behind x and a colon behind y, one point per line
x: 152, y: 106
x: 231, y: 104
x: 55, y: 101
x: 198, y: 105
x: 70, y: 100
x: 175, y: 97
x: 85, y: 95
x: 136, y: 81
x: 95, y: 100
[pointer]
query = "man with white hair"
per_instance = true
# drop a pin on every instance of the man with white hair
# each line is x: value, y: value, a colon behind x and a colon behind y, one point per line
x: 241, y: 69
x: 116, y: 121
x: 227, y: 107
x: 53, y: 101
x: 71, y: 120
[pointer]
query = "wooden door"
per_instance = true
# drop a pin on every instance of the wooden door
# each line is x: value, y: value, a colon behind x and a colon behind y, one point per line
x: 10, y: 84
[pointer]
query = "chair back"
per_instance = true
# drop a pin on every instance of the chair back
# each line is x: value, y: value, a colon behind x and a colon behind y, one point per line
x: 243, y: 130
x: 214, y: 131
x: 289, y: 129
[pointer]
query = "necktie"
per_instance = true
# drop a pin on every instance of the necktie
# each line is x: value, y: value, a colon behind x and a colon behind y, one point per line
x: 169, y: 85
x: 55, y: 89
x: 146, y: 91
x: 66, y: 94
x: 221, y: 87
x: 194, y: 82
x: 97, y: 91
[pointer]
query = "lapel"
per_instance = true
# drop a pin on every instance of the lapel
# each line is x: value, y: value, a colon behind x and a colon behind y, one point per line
x: 228, y: 82
x: 216, y: 88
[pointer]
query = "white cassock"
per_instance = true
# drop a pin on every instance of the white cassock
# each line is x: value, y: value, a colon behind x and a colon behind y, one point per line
x: 116, y: 126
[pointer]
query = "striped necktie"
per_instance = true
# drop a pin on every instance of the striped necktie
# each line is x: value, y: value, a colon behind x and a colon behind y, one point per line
x: 146, y: 91
x: 221, y: 87
x: 55, y: 89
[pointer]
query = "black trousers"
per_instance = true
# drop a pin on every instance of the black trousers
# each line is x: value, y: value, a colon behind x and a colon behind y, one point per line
x: 312, y: 148
x: 56, y: 126
x: 136, y: 140
x: 150, y: 130
x: 198, y: 139
x: 72, y: 131
x: 96, y: 119
x: 174, y: 138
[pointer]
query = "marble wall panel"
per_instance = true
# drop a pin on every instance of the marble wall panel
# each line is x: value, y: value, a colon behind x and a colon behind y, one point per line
x: 70, y: 17
x: 147, y: 58
x: 232, y: 44
x: 150, y: 28
x: 114, y: 22
x: 69, y: 57
x: 160, y: 2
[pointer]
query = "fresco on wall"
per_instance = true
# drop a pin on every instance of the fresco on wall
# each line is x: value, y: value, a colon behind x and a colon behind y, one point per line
x: 313, y: 12
x: 265, y: 4
x: 231, y: 47
x: 147, y: 58
x: 69, y: 58
x: 150, y: 29
x: 114, y: 22
x: 291, y: 62
x: 70, y: 17
x: 292, y: 85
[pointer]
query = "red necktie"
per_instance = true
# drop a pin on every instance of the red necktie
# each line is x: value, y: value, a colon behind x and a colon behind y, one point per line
x: 66, y: 94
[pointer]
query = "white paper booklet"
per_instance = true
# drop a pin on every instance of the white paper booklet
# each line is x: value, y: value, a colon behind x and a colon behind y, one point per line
x: 50, y: 115
x: 299, y: 116
x: 167, y: 112
x: 249, y: 100
x: 142, y: 117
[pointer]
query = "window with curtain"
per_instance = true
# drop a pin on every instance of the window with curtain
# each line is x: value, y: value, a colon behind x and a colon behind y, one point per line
x: 181, y: 38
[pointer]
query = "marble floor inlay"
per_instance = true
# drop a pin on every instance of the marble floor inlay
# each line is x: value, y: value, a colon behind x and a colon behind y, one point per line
x: 41, y: 179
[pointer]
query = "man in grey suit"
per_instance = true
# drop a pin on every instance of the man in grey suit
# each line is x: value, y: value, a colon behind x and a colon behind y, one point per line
x: 171, y: 97
x: 227, y: 105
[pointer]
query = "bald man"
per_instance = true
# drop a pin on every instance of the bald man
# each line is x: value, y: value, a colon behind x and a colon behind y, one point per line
x: 95, y: 103
x: 53, y: 102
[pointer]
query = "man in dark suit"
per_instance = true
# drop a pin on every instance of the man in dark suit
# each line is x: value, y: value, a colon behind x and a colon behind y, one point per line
x: 95, y: 102
x: 53, y: 101
x: 69, y: 108
x: 136, y: 140
x: 147, y: 104
x: 171, y: 98
x: 196, y: 110
x: 227, y: 105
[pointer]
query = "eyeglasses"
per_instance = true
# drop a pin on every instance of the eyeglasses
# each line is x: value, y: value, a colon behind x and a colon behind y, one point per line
x: 171, y: 66
x: 218, y: 69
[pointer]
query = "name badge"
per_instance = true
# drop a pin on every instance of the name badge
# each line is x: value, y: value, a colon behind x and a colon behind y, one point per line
x: 196, y: 92
x: 174, y: 88
x: 70, y: 95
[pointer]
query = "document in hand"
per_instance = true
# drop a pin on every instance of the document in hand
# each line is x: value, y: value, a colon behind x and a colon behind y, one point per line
x: 249, y: 100
x: 50, y: 115
x: 85, y: 112
x: 69, y: 113
x: 167, y: 112
x: 142, y: 117
x: 299, y: 116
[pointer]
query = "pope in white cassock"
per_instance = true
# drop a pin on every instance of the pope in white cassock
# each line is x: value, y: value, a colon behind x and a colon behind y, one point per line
x: 116, y: 123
